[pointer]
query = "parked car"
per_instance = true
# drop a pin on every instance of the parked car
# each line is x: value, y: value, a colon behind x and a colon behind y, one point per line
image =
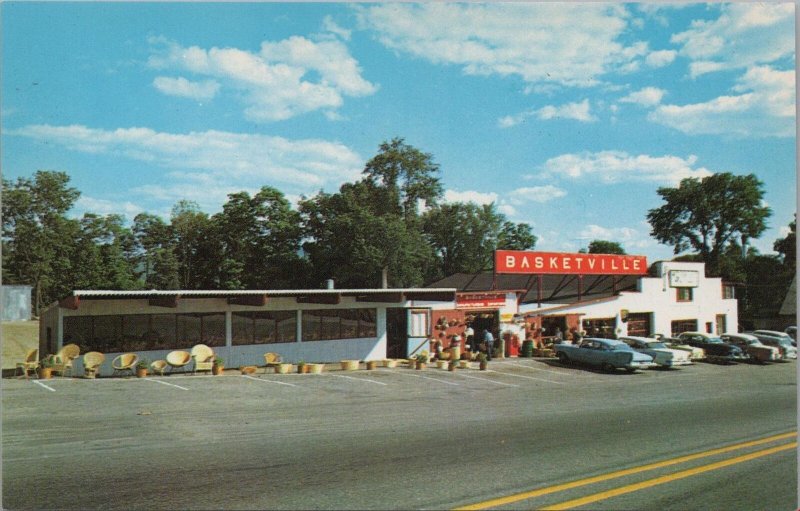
x: 783, y: 343
x: 608, y: 354
x: 750, y: 344
x: 716, y: 350
x: 792, y: 331
x: 775, y: 333
x: 661, y: 353
x: 695, y: 353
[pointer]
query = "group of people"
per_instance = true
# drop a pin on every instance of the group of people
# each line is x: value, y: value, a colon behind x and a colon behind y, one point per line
x: 471, y: 343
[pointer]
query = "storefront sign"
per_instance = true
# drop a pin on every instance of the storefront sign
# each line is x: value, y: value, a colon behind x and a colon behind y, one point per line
x: 516, y: 261
x: 480, y: 300
x: 684, y: 278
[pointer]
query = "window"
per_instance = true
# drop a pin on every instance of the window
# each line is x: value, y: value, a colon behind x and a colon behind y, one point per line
x: 264, y: 327
x: 324, y: 325
x: 418, y: 326
x: 728, y: 292
x: 201, y: 328
x: 683, y: 325
x: 684, y: 294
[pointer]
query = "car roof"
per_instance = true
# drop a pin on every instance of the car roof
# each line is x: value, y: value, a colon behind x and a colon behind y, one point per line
x: 774, y: 333
x: 749, y: 337
x: 647, y: 340
x: 611, y: 342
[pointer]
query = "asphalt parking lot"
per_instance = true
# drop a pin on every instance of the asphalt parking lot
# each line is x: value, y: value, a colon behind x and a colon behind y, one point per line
x: 365, y: 439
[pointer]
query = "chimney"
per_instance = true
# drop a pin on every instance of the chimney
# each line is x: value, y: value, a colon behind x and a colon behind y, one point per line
x: 385, y: 278
x: 329, y: 284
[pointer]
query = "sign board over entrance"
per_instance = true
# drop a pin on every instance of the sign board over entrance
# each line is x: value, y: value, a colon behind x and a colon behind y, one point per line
x: 535, y: 263
x: 480, y: 300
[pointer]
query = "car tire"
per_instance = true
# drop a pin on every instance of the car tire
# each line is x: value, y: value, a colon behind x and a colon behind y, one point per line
x: 630, y: 369
x: 563, y: 358
x: 608, y: 368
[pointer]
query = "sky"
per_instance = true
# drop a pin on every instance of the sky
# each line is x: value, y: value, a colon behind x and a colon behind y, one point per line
x: 567, y: 116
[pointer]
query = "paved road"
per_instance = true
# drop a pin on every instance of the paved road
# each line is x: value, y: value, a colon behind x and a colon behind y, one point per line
x: 403, y: 439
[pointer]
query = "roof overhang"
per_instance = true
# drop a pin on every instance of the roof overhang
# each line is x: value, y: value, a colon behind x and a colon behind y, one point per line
x: 259, y: 298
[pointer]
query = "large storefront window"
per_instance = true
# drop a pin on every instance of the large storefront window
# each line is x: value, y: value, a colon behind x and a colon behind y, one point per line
x: 264, y: 327
x: 604, y: 328
x: 325, y: 325
x: 201, y: 328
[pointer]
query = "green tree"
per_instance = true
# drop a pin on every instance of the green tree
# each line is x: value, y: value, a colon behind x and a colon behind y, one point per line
x: 464, y: 237
x: 706, y: 215
x: 36, y: 233
x: 605, y: 247
x: 260, y: 241
x: 154, y: 252
x: 192, y: 230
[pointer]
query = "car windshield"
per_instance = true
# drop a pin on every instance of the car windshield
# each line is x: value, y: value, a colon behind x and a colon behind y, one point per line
x: 656, y: 345
x: 714, y: 340
x: 621, y: 347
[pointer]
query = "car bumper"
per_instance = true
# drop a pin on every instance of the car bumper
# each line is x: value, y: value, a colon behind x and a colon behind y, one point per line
x: 640, y: 365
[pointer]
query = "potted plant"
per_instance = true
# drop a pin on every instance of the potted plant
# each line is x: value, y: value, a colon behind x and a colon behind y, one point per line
x: 371, y: 365
x: 453, y: 365
x: 283, y: 368
x: 301, y: 367
x: 482, y: 361
x: 218, y: 367
x: 422, y: 359
x: 141, y: 368
x: 45, y: 370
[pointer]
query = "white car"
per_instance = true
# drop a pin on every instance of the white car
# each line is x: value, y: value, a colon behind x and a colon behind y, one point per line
x: 661, y: 353
x: 695, y: 353
x: 750, y: 344
x: 782, y: 342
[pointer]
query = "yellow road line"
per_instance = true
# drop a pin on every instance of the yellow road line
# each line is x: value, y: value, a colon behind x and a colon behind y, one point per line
x: 668, y: 478
x: 620, y: 473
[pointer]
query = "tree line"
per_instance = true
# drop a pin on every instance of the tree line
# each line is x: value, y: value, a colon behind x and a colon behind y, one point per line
x: 391, y: 219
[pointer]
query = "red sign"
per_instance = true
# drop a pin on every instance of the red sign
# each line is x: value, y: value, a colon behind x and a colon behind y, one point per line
x: 517, y: 261
x: 480, y: 300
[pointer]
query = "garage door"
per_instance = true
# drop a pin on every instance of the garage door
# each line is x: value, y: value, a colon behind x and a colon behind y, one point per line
x: 639, y: 324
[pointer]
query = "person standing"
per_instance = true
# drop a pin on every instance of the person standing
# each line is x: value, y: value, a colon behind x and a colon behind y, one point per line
x: 488, y: 339
x: 469, y: 335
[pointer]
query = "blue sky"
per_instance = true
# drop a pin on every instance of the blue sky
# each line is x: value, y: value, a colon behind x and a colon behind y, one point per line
x: 567, y: 116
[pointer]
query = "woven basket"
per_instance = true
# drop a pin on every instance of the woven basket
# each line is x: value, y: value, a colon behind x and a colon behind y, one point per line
x: 349, y: 365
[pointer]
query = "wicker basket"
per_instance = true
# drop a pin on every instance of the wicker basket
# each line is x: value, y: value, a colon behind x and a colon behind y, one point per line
x: 349, y: 365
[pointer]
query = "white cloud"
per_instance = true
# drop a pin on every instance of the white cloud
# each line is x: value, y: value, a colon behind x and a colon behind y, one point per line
x: 630, y: 238
x: 619, y: 166
x: 538, y: 194
x: 86, y: 204
x: 575, y: 111
x: 480, y: 198
x: 649, y: 96
x: 558, y: 43
x: 331, y: 26
x: 211, y: 164
x: 182, y: 87
x: 744, y: 35
x: 766, y: 108
x: 660, y: 58
x: 278, y: 82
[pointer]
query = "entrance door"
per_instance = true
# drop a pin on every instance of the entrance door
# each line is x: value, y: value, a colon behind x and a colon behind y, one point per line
x: 396, y: 332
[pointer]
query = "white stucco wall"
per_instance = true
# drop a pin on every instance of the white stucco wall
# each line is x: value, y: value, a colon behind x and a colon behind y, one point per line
x: 657, y: 297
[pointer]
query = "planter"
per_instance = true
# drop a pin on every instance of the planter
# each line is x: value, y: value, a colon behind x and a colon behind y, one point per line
x: 283, y: 368
x: 243, y: 369
x: 483, y: 365
x: 412, y: 363
x: 315, y: 368
x: 464, y: 364
x: 390, y: 362
x: 442, y: 364
x: 349, y: 365
x: 301, y: 368
x: 420, y: 366
x: 217, y: 369
x: 452, y: 366
x: 141, y: 372
x: 45, y: 373
x: 372, y: 365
